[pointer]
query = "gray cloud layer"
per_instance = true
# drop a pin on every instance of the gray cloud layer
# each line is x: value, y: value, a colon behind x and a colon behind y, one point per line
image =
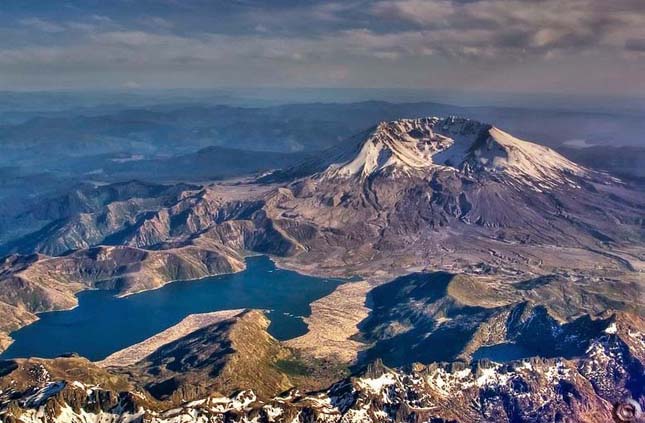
x: 575, y: 45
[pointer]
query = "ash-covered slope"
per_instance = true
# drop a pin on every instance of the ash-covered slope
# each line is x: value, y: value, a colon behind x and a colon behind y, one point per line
x: 448, y: 191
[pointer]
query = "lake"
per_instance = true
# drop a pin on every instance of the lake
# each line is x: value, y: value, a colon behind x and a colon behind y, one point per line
x: 503, y: 352
x: 103, y: 323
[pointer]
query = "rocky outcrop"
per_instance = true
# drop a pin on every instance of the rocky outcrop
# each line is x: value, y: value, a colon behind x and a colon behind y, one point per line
x: 223, y: 358
x: 83, y: 216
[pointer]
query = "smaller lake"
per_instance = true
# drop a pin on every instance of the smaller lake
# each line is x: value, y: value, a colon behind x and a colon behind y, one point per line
x: 103, y: 324
x: 503, y: 352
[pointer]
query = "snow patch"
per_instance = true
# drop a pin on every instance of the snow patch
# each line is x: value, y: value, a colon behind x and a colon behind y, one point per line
x: 611, y: 329
x: 376, y: 385
x: 43, y: 394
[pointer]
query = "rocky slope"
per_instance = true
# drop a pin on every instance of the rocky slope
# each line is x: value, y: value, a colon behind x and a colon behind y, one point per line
x: 191, y: 323
x: 470, y: 187
x: 463, y: 314
x: 93, y: 210
x: 590, y: 388
x: 224, y: 358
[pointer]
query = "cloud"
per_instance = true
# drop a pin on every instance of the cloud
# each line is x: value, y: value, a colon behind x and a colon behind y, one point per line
x: 518, y: 28
x: 156, y: 22
x: 131, y: 85
x: 397, y: 42
x: 635, y: 44
x: 423, y: 12
x: 578, y: 143
x: 133, y: 38
x: 506, y: 30
x: 101, y: 18
x: 81, y: 26
x: 41, y: 25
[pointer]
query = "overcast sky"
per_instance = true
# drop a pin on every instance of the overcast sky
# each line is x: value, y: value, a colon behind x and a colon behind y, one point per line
x: 577, y: 46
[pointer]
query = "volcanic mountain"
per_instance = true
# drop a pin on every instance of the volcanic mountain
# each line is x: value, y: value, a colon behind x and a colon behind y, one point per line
x: 424, y: 145
x: 446, y: 194
x: 411, y: 146
x: 454, y: 187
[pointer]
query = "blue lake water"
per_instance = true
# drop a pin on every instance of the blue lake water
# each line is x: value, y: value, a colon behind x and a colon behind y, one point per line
x: 502, y: 352
x: 103, y: 324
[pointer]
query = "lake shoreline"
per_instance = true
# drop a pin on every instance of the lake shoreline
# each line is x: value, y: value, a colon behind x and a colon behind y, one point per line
x: 231, y: 284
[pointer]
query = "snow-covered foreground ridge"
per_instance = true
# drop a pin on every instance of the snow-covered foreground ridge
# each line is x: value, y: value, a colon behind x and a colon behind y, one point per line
x: 419, y: 145
x: 532, y: 390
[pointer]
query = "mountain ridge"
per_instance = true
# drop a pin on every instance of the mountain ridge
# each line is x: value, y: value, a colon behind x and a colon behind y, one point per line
x: 589, y: 388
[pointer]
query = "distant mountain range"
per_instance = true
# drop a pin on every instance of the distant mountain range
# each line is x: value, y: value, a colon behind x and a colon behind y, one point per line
x: 181, y: 129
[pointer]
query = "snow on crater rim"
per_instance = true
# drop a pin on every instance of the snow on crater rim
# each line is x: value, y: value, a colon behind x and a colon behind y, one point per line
x: 409, y: 146
x: 523, y: 159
